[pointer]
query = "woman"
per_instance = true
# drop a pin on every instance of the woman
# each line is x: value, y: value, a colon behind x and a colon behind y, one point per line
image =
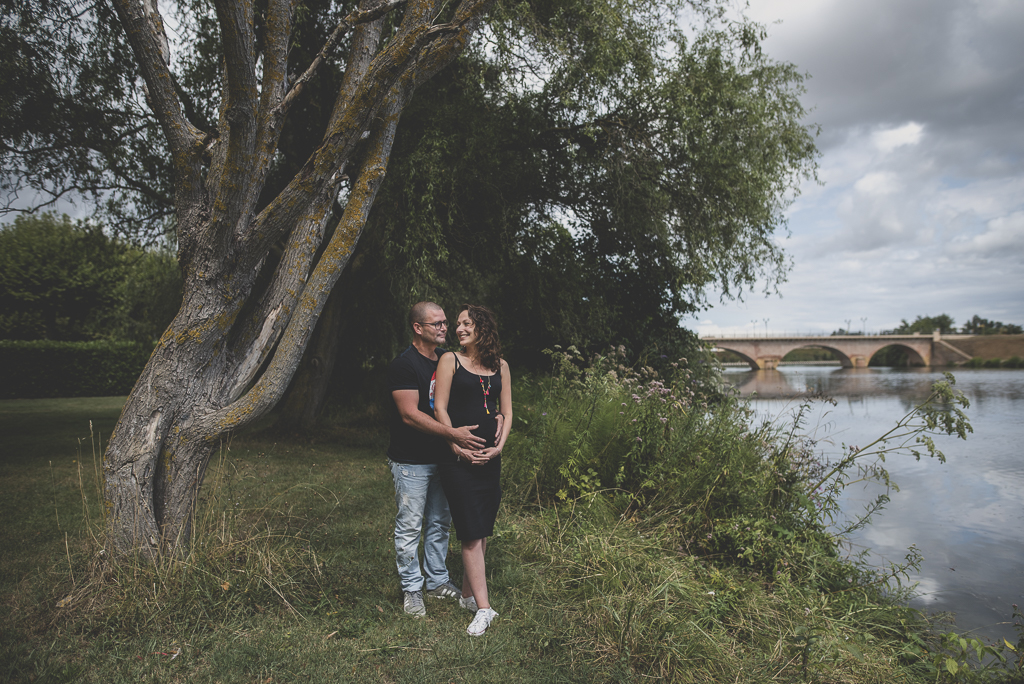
x: 474, y: 388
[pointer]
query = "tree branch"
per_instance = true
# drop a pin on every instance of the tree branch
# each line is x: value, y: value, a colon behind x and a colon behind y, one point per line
x: 185, y: 140
x: 272, y: 384
x: 359, y: 16
x: 275, y: 73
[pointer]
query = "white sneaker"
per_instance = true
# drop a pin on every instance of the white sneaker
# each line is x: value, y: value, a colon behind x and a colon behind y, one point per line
x: 469, y: 603
x: 481, y: 622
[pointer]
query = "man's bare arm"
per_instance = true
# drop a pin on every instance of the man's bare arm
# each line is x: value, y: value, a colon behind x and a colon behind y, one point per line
x: 408, y: 402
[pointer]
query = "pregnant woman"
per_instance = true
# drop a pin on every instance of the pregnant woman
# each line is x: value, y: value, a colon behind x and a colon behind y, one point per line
x: 474, y: 388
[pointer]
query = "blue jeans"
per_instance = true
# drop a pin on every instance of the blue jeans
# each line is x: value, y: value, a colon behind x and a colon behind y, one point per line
x: 421, y: 506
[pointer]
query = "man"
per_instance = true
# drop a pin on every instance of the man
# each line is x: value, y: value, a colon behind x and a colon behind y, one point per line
x: 418, y: 443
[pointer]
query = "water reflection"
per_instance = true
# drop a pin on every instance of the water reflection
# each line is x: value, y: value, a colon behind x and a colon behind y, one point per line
x: 964, y: 516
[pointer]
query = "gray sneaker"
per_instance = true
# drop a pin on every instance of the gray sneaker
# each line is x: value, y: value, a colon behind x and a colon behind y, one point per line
x: 413, y: 603
x: 446, y: 590
x: 469, y: 603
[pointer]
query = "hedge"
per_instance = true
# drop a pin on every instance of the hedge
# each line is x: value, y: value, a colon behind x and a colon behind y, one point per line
x: 42, y: 368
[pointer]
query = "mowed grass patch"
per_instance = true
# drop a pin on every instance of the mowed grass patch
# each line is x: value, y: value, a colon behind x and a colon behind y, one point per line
x: 46, y: 464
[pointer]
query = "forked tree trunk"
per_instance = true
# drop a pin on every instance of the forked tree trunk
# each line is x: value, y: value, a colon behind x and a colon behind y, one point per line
x: 231, y: 351
x: 308, y: 392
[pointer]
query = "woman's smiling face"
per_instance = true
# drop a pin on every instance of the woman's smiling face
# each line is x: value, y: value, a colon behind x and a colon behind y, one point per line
x: 465, y: 329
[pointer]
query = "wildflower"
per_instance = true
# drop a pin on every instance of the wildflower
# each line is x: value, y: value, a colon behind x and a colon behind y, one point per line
x: 709, y: 535
x: 663, y: 420
x: 639, y: 439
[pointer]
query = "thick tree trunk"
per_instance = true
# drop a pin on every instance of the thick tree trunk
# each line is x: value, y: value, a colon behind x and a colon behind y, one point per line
x: 216, y: 370
x: 304, y: 402
x: 305, y: 399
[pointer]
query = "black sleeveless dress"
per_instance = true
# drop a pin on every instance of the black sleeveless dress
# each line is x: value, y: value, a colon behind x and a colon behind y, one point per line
x: 473, y: 491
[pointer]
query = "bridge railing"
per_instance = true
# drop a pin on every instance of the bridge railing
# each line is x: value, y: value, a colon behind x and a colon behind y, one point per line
x: 774, y: 334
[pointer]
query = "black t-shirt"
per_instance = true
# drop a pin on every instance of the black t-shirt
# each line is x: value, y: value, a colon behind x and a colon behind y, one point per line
x: 413, y: 371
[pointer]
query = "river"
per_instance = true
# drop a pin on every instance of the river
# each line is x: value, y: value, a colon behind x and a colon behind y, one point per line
x: 964, y: 516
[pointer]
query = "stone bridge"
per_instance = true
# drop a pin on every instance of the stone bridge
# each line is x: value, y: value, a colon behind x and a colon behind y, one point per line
x: 853, y: 351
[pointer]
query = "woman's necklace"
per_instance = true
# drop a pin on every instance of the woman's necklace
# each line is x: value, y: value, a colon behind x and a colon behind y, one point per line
x: 486, y: 390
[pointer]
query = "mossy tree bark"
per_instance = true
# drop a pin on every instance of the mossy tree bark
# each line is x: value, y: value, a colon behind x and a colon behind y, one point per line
x: 233, y: 347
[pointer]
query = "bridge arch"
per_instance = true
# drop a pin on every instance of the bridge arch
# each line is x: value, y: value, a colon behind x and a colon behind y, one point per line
x: 843, y: 358
x: 914, y: 357
x: 746, y: 359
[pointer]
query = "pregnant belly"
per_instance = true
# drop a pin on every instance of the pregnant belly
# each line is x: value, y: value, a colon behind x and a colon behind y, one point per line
x: 487, y: 430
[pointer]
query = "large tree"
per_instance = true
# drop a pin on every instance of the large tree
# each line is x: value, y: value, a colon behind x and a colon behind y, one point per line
x: 230, y: 352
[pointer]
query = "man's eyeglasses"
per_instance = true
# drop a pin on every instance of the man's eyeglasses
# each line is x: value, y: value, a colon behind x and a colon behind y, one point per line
x: 437, y: 324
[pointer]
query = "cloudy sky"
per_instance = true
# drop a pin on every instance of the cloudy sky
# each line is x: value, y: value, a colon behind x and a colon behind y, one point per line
x: 921, y: 211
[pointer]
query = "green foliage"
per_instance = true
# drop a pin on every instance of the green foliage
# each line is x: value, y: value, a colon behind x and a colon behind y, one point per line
x: 56, y: 277
x: 689, y: 475
x: 147, y: 297
x: 65, y: 280
x: 69, y: 369
x: 982, y: 326
x: 597, y: 206
x: 924, y: 325
x: 73, y: 121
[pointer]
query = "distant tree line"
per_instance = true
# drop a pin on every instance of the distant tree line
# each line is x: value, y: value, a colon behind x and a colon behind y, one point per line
x: 945, y: 324
x: 66, y: 280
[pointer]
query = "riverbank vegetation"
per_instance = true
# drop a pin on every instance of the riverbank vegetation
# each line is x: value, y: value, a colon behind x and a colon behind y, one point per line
x: 648, y: 530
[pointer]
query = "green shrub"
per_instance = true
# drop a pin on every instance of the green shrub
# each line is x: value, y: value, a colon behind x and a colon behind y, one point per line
x: 661, y: 451
x: 42, y: 368
x: 1014, y: 362
x: 993, y: 363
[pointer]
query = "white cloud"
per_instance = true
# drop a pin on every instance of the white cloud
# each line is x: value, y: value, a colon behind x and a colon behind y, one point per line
x: 1003, y: 237
x: 877, y: 183
x: 889, y: 139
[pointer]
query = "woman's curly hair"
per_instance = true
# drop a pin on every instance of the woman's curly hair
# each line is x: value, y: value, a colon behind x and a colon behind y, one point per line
x: 487, y: 335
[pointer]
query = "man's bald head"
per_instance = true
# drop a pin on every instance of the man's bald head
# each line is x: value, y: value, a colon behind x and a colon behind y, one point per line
x: 421, y: 311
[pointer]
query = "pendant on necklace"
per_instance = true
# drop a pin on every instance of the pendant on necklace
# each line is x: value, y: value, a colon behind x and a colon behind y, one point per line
x: 486, y: 390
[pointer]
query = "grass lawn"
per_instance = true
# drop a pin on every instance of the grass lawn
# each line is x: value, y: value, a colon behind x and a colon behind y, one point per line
x: 332, y: 505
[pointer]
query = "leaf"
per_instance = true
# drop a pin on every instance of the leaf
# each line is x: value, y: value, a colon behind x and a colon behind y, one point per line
x: 854, y: 651
x: 226, y: 586
x: 1009, y: 645
x: 952, y: 666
